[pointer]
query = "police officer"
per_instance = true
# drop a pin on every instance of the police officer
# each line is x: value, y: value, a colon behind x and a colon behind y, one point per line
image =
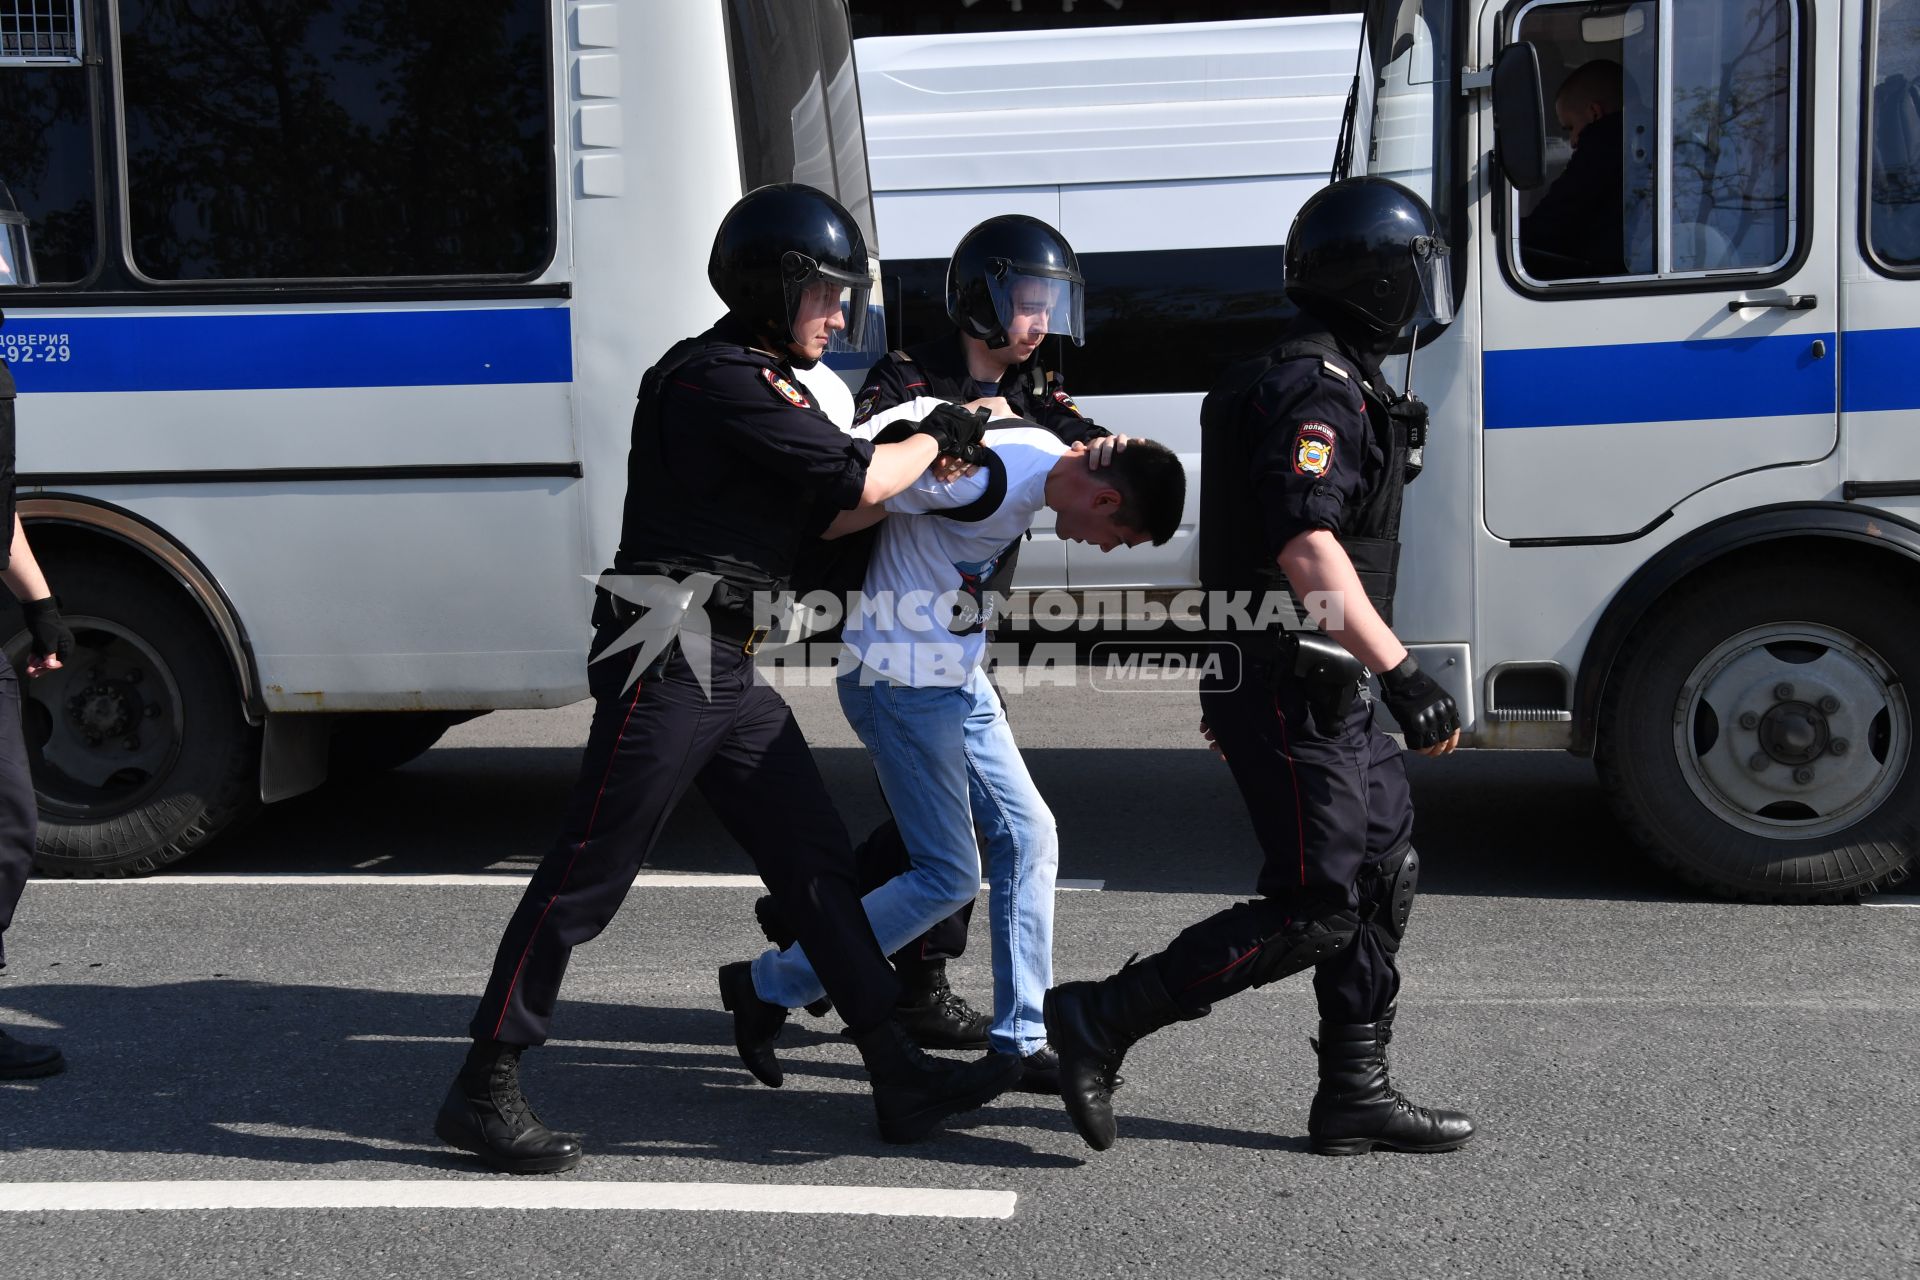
x: 732, y: 467
x: 51, y: 646
x: 1013, y: 281
x: 1304, y: 456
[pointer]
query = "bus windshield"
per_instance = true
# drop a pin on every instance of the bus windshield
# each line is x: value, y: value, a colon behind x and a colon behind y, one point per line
x: 1400, y: 111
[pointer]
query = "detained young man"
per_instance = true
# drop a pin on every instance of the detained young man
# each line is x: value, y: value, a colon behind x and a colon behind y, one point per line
x: 914, y: 688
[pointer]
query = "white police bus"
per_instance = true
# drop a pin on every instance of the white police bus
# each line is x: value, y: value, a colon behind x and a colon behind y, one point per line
x: 1671, y: 511
x: 327, y: 370
x: 1670, y: 516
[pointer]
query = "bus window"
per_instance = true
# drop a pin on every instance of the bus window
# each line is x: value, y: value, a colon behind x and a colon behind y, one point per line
x: 359, y: 139
x: 1650, y: 182
x: 46, y: 150
x: 1893, y: 214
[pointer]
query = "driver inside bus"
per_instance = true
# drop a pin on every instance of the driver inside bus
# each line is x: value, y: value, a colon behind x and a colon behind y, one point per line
x: 1577, y: 227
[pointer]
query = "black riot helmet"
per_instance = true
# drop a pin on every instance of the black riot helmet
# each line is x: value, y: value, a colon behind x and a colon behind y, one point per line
x: 1014, y: 263
x: 1368, y: 251
x: 16, y: 255
x: 779, y: 241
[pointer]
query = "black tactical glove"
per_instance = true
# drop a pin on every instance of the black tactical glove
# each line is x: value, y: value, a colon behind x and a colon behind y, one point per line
x: 51, y: 635
x: 1424, y: 710
x: 954, y: 429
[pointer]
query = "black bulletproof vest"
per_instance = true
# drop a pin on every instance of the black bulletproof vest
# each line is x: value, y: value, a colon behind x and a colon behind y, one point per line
x: 1232, y: 535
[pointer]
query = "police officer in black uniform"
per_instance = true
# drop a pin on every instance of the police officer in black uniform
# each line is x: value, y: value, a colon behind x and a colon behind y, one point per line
x: 1013, y: 281
x: 1304, y: 456
x: 51, y: 645
x: 732, y: 467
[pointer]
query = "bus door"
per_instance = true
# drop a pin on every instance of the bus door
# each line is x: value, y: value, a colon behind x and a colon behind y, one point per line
x: 1880, y: 346
x: 1661, y: 315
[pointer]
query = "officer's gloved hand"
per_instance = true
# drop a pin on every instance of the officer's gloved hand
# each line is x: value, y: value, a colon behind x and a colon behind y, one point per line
x: 954, y: 429
x: 51, y: 635
x: 1425, y: 712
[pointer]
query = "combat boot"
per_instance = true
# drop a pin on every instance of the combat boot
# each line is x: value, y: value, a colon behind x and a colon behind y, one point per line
x: 756, y: 1024
x: 1091, y: 1025
x: 914, y: 1091
x: 486, y: 1114
x: 933, y: 1014
x: 1357, y: 1109
x: 22, y: 1061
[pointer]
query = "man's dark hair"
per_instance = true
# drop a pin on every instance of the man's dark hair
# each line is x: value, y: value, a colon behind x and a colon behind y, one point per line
x: 1597, y: 83
x: 1152, y: 485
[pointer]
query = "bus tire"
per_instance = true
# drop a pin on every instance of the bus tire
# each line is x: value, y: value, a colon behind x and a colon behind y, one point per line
x: 1757, y: 738
x: 139, y: 750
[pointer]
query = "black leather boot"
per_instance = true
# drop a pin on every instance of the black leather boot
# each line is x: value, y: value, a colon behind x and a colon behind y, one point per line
x: 913, y: 1091
x: 22, y: 1061
x: 773, y: 926
x: 1091, y: 1025
x: 756, y: 1024
x: 486, y: 1114
x: 933, y: 1014
x: 1357, y: 1109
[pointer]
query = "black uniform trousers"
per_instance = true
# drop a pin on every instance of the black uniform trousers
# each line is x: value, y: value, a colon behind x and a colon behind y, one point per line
x: 649, y: 743
x: 19, y: 819
x: 1327, y: 809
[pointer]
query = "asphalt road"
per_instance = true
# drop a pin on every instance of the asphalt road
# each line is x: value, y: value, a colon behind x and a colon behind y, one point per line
x: 1667, y: 1085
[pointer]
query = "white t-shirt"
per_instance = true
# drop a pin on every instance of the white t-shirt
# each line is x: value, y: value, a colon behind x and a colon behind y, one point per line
x: 921, y: 623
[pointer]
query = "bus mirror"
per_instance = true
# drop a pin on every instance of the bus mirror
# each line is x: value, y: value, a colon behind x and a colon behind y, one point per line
x: 1519, y: 116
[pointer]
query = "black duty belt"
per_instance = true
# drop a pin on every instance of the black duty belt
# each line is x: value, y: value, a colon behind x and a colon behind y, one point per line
x: 725, y: 626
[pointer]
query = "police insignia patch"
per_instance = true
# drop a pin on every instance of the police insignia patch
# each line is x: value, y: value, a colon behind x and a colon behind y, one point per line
x: 788, y: 392
x: 1313, y: 449
x: 865, y: 410
x: 1065, y: 401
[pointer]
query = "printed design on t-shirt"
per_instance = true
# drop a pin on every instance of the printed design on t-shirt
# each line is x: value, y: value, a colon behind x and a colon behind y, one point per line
x: 972, y: 610
x: 786, y: 390
x: 1313, y: 449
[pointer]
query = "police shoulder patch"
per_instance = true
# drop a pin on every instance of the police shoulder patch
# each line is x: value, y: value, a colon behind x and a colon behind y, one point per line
x: 864, y: 410
x: 786, y: 390
x: 1065, y: 401
x: 1313, y: 449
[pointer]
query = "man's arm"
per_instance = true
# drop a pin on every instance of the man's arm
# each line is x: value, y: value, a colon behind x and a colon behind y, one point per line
x: 1314, y: 561
x: 52, y: 640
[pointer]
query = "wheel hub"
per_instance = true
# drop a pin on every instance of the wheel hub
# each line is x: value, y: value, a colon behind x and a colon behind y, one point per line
x: 106, y: 709
x: 1792, y: 730
x: 1794, y: 733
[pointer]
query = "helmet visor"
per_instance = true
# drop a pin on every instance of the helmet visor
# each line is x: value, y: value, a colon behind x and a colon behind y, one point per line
x: 1030, y: 305
x: 16, y: 258
x: 817, y: 293
x: 1430, y: 262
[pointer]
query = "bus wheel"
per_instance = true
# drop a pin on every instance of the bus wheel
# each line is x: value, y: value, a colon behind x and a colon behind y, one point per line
x: 139, y: 751
x: 1758, y: 735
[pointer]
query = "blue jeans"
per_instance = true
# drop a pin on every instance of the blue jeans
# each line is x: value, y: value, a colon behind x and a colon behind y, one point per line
x: 947, y: 762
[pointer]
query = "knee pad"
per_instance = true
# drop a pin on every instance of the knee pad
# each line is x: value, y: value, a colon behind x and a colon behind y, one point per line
x: 1302, y: 944
x: 1386, y: 896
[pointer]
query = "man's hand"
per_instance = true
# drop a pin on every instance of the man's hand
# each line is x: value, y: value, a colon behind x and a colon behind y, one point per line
x: 1426, y: 712
x: 948, y: 469
x: 954, y: 430
x: 52, y: 638
x: 1101, y: 449
x: 1212, y: 745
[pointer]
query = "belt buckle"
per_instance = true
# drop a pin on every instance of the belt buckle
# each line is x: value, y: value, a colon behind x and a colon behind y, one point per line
x: 755, y: 638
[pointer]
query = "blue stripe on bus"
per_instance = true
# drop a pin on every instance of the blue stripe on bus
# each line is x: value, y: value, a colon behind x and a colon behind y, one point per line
x: 1880, y: 370
x: 1657, y: 382
x: 288, y: 349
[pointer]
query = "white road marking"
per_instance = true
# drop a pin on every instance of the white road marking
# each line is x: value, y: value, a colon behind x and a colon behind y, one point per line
x: 645, y: 880
x: 504, y: 1193
x: 1908, y: 900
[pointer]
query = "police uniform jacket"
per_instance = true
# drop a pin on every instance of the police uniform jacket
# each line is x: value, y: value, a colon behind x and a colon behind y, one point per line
x: 733, y: 467
x: 939, y: 368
